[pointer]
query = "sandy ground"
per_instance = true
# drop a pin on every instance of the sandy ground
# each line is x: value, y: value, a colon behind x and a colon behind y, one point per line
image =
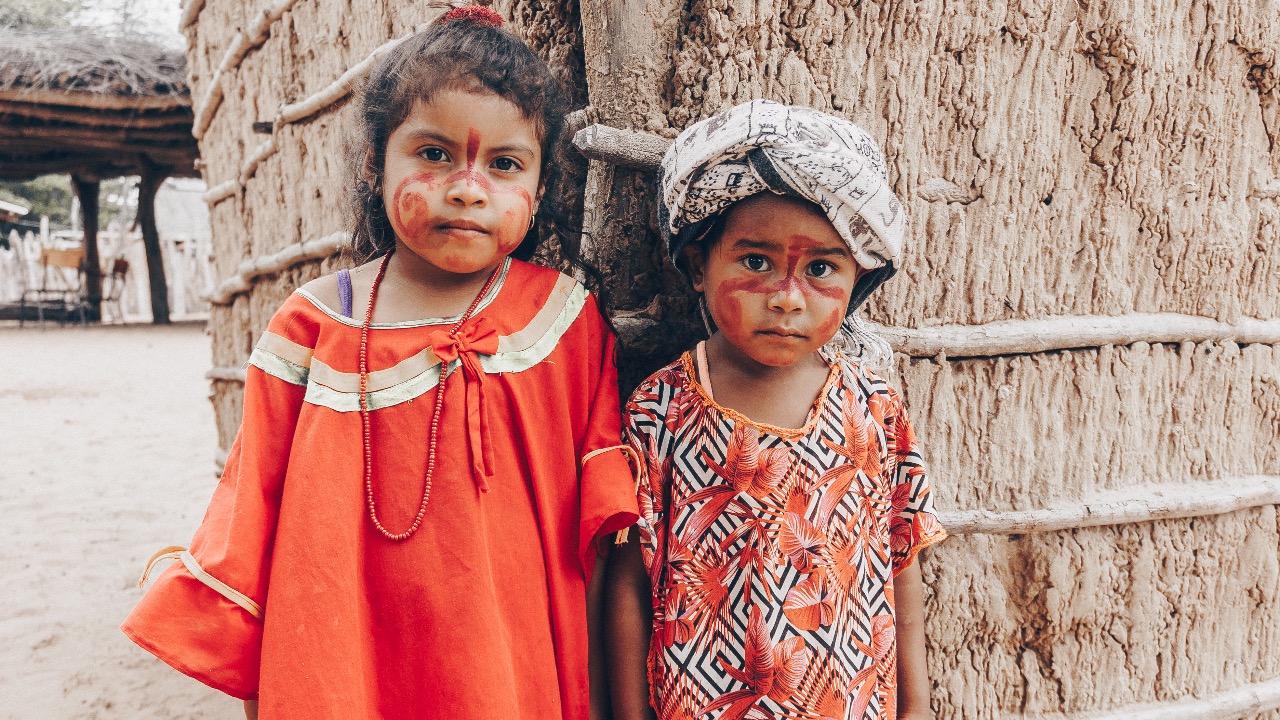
x: 106, y: 455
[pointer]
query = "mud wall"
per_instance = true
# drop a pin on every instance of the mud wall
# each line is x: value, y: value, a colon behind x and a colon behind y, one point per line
x: 1059, y: 159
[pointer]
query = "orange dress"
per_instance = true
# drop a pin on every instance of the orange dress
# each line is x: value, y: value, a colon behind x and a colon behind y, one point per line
x: 290, y: 595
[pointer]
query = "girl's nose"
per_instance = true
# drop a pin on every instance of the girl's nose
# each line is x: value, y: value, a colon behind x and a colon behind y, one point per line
x: 467, y: 189
x: 787, y: 296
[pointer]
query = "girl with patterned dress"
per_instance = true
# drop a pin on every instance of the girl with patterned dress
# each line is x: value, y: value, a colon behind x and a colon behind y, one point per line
x: 783, y: 500
x: 430, y: 447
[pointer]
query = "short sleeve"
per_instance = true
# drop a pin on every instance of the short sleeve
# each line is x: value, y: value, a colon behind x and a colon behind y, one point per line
x: 608, y: 501
x: 184, y: 619
x: 914, y: 525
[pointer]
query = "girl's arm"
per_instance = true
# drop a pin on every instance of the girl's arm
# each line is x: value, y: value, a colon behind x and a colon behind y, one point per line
x: 251, y: 709
x: 628, y: 623
x: 913, y: 673
x: 597, y: 674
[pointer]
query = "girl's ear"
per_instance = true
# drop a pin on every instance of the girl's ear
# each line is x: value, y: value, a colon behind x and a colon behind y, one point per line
x: 369, y: 172
x: 695, y: 262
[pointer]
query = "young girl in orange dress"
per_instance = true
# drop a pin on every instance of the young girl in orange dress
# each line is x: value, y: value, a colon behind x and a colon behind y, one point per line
x: 430, y: 446
x: 784, y: 500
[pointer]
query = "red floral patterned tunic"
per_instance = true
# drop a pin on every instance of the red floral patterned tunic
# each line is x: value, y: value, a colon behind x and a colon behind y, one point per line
x: 772, y: 552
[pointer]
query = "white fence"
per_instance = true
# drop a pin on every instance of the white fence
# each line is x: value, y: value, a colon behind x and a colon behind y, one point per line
x: 188, y: 271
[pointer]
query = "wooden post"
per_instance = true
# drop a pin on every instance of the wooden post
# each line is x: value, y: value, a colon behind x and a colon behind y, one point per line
x: 87, y: 190
x: 152, y: 177
x: 629, y: 45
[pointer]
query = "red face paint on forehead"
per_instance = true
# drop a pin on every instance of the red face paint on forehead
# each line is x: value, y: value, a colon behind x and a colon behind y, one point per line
x: 473, y: 148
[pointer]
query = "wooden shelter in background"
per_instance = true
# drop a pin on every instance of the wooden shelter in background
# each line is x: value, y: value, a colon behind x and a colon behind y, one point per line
x: 1086, y: 320
x: 96, y: 108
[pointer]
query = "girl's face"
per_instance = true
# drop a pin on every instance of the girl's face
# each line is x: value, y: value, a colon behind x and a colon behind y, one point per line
x: 461, y: 180
x: 778, y: 281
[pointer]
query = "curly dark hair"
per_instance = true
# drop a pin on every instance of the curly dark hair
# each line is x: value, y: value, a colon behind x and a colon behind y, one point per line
x: 463, y: 54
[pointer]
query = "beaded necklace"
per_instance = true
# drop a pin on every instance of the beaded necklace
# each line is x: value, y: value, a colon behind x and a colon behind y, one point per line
x: 435, y: 413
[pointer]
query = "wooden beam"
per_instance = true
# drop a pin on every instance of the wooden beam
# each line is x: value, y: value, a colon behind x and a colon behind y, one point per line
x: 290, y: 256
x: 190, y: 13
x: 227, y: 374
x: 96, y: 137
x: 1066, y: 332
x: 87, y: 191
x: 338, y: 89
x: 1246, y: 701
x: 331, y: 94
x: 97, y: 101
x: 152, y: 177
x: 620, y: 147
x: 1134, y: 504
x: 246, y: 40
x: 25, y: 168
x: 1020, y: 337
x: 88, y: 163
x: 606, y: 144
x: 179, y: 121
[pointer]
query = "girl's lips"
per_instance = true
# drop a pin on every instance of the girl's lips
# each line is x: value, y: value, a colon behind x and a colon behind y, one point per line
x: 782, y: 332
x: 466, y: 225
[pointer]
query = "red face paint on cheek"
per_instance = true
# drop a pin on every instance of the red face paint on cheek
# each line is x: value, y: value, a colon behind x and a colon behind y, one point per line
x: 410, y: 211
x: 515, y: 225
x: 828, y: 291
x: 830, y: 324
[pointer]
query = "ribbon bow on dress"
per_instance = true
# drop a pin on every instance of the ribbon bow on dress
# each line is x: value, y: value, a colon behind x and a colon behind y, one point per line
x: 466, y: 344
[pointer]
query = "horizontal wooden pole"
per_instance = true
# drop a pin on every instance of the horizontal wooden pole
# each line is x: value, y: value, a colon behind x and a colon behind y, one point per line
x: 644, y: 151
x: 1019, y: 337
x: 1234, y: 704
x: 295, y: 112
x: 177, y: 119
x: 1004, y: 337
x: 337, y: 90
x: 245, y: 41
x: 1143, y: 503
x: 639, y: 150
x: 274, y: 263
x: 190, y: 12
x: 227, y: 374
x: 220, y: 192
x: 1066, y: 332
x: 106, y: 137
x: 98, y: 101
x: 99, y: 163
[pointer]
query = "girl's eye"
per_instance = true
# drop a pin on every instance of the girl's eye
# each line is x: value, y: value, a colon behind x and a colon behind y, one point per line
x: 433, y: 154
x: 821, y: 269
x: 756, y: 263
x: 506, y: 164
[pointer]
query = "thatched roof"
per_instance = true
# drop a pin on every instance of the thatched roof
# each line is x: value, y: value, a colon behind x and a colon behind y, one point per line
x: 76, y: 60
x: 75, y: 101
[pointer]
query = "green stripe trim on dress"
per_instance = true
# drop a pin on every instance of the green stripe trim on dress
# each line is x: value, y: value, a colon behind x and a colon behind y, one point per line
x: 276, y: 366
x: 506, y: 362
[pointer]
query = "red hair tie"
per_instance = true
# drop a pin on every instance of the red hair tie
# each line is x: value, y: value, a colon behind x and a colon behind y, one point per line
x: 478, y: 14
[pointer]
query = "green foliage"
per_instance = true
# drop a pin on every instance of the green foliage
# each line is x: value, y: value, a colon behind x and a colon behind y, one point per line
x: 48, y: 195
x: 38, y: 14
x: 51, y: 195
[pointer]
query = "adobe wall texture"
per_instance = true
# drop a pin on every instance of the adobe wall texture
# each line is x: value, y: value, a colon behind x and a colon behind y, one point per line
x: 1058, y: 158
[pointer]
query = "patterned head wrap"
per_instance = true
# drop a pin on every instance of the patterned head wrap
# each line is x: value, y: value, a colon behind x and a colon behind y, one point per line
x: 789, y: 150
